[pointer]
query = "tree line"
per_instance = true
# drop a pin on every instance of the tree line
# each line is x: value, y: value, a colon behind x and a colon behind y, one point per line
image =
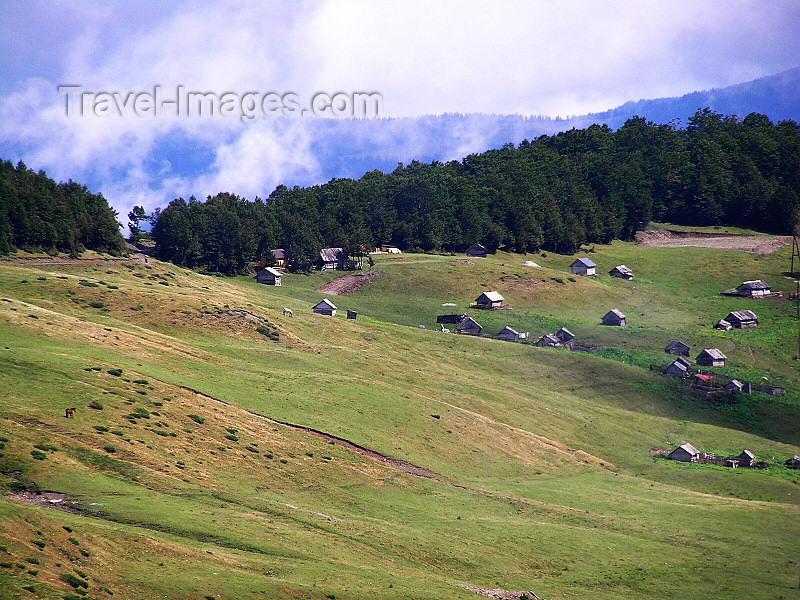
x: 552, y: 193
x: 39, y: 215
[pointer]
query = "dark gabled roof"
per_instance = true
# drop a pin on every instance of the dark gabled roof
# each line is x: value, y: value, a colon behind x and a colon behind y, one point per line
x: 682, y: 361
x: 688, y: 448
x: 680, y: 364
x: 583, y: 261
x: 742, y: 315
x: 675, y: 344
x: 734, y: 383
x: 614, y: 312
x: 549, y: 338
x: 272, y: 272
x: 723, y: 323
x: 469, y: 323
x: 756, y: 284
x: 279, y: 253
x: 748, y: 454
x: 564, y: 334
x: 713, y: 353
x: 325, y: 302
x: 332, y: 254
x: 509, y: 330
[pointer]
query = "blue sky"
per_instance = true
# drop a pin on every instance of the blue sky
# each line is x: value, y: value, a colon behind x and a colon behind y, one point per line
x: 550, y: 58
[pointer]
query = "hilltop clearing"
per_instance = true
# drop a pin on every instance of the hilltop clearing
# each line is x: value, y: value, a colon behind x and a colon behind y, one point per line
x: 756, y: 244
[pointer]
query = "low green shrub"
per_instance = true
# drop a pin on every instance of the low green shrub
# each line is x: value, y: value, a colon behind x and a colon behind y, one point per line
x: 110, y: 449
x: 95, y: 405
x: 96, y: 304
x: 32, y: 560
x: 197, y: 419
x: 75, y: 582
x: 38, y: 454
x: 39, y: 544
x: 115, y: 372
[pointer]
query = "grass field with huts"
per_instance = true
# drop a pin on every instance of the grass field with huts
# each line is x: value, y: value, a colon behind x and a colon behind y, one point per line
x: 223, y: 449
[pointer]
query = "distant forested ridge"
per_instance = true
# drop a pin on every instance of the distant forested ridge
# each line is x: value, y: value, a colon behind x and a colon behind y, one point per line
x: 39, y: 215
x: 554, y: 193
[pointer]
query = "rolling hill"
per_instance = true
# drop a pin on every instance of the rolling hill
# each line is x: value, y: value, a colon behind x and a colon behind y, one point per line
x: 221, y: 449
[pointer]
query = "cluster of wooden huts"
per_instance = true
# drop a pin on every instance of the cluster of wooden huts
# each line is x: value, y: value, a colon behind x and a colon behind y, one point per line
x: 329, y: 259
x: 688, y: 453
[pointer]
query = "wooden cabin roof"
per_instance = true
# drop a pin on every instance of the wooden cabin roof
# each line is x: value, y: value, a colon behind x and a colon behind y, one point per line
x: 756, y: 284
x: 742, y: 315
x: 712, y: 353
x: 615, y: 313
x: 508, y: 329
x: 583, y: 261
x: 325, y: 302
x: 623, y: 269
x: 332, y: 254
x: 688, y: 448
x: 491, y: 297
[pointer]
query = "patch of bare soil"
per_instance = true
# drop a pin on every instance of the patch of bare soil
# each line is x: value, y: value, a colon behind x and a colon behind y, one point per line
x: 755, y: 244
x: 345, y: 284
x: 499, y: 593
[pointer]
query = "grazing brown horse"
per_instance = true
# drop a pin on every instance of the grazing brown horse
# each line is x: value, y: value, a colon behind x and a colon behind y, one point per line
x: 69, y: 413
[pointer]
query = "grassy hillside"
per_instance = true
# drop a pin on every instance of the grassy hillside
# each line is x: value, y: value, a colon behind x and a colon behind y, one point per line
x: 491, y: 464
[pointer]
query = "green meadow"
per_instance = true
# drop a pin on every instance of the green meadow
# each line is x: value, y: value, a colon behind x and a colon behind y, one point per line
x: 490, y: 464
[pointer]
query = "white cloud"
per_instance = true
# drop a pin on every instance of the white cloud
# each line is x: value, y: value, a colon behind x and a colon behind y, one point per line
x: 513, y: 56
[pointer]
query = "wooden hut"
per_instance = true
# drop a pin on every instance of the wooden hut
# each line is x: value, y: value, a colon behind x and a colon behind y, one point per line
x: 793, y: 463
x: 685, y: 453
x: 711, y: 357
x: 746, y: 458
x: 754, y: 289
x: 621, y: 271
x: 614, y: 317
x: 332, y: 259
x: 742, y: 319
x: 582, y: 266
x: 507, y: 334
x: 478, y: 250
x: 280, y: 258
x: 734, y: 386
x: 548, y: 340
x: 678, y: 368
x: 722, y: 325
x: 565, y: 336
x: 489, y: 300
x: 269, y: 276
x: 324, y: 307
x: 677, y: 348
x: 468, y: 326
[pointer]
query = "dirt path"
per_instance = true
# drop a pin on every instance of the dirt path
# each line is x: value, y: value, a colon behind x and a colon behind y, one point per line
x: 755, y: 244
x: 345, y: 284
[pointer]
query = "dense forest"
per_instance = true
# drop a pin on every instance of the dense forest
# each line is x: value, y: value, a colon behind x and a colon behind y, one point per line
x: 39, y: 215
x: 554, y: 193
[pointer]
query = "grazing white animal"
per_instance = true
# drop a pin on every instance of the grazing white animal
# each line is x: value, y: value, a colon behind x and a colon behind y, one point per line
x: 444, y: 329
x: 288, y: 311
